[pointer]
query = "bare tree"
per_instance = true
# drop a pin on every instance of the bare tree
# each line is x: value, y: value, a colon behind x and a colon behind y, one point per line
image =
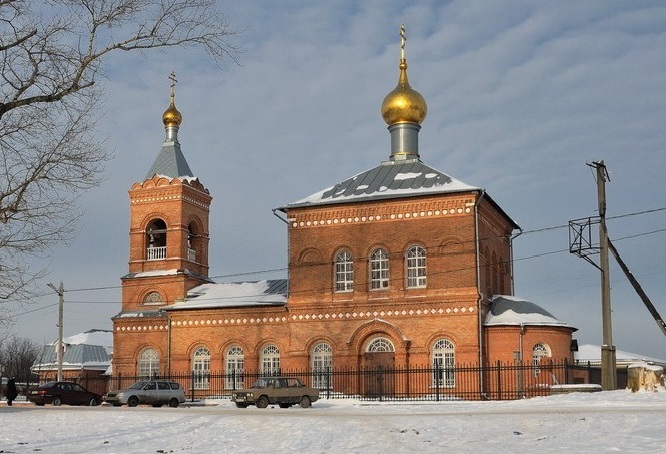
x: 52, y: 55
x: 17, y: 355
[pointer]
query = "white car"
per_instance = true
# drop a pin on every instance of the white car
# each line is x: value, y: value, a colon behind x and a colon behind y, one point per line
x: 153, y: 392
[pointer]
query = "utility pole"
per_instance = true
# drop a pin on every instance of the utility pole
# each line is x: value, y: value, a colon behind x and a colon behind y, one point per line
x: 608, y: 360
x: 61, y: 300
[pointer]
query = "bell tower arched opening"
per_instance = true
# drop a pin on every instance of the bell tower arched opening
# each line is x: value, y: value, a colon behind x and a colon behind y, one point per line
x: 156, y: 240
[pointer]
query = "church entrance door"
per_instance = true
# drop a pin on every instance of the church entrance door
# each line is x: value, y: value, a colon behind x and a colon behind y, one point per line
x: 379, y: 374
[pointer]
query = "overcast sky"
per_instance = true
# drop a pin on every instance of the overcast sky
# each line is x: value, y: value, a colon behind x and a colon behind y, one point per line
x: 521, y: 96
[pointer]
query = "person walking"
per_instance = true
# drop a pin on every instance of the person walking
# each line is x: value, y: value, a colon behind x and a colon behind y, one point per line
x: 11, y: 391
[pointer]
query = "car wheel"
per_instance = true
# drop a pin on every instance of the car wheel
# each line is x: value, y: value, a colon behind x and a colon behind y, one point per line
x: 133, y: 401
x: 241, y: 405
x: 57, y: 401
x: 93, y: 402
x: 173, y: 403
x: 262, y: 402
x: 305, y: 402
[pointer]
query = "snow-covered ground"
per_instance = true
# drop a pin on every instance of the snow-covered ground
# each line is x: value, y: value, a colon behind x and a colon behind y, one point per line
x: 581, y: 422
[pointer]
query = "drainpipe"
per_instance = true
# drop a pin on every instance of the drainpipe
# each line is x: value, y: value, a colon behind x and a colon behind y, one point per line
x: 288, y: 222
x: 478, y: 288
x: 168, y: 355
x: 521, y: 371
x: 513, y: 280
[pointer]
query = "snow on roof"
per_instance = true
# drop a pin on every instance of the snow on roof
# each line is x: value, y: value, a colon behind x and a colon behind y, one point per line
x: 84, y: 356
x: 171, y: 272
x: 509, y: 310
x: 91, y: 337
x: 391, y: 179
x: 592, y: 354
x: 258, y: 293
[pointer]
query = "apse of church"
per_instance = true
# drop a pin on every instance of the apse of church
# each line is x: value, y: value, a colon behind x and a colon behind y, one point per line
x: 397, y: 266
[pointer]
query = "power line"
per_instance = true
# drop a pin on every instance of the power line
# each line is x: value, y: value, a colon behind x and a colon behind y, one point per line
x: 259, y: 272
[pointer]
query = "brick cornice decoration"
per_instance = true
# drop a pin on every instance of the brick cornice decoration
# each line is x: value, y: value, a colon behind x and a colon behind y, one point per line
x: 309, y: 316
x: 388, y: 212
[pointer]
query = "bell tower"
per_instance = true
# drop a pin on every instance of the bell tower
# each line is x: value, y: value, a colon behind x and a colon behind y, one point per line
x: 169, y: 231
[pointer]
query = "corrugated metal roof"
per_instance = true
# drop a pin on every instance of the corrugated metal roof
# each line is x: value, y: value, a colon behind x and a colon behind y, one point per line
x: 170, y: 162
x: 78, y: 355
x: 391, y: 179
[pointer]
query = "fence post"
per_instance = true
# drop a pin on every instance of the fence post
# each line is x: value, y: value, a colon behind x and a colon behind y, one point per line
x: 329, y: 382
x: 192, y: 386
x: 499, y: 380
x: 438, y: 375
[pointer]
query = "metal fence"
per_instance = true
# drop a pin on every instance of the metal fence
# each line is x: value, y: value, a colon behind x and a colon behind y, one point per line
x: 497, y: 381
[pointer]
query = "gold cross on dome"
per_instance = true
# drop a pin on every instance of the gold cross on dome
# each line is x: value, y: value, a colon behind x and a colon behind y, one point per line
x: 172, y: 78
x: 403, y: 40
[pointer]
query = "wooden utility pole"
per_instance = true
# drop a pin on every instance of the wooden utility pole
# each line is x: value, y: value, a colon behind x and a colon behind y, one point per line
x: 608, y: 361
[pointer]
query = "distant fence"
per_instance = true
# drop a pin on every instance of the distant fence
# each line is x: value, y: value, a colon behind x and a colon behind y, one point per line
x: 496, y: 381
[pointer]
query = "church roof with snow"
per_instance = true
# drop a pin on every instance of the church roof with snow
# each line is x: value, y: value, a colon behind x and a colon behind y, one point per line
x: 509, y: 310
x: 239, y: 294
x: 77, y: 356
x: 391, y: 179
x: 101, y: 337
x: 89, y: 350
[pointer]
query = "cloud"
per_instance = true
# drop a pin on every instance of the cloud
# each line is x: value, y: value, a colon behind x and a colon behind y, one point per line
x: 520, y: 96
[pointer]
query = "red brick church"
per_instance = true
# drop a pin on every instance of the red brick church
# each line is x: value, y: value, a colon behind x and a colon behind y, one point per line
x: 398, y: 266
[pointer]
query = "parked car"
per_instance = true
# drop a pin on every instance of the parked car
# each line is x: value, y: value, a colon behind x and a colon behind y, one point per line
x: 153, y: 392
x: 284, y: 391
x: 63, y: 392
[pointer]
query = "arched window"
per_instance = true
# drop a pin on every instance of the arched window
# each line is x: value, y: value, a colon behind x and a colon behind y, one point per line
x: 201, y: 368
x: 539, y: 351
x: 344, y: 272
x: 321, y: 364
x: 149, y: 364
x: 443, y: 363
x: 270, y: 360
x: 234, y: 367
x: 193, y: 242
x: 416, y: 267
x: 153, y: 299
x: 379, y: 269
x: 156, y: 233
x: 380, y: 345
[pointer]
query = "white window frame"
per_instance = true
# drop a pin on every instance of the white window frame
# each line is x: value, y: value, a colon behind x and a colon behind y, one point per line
x: 201, y: 368
x: 539, y: 351
x: 235, y: 363
x: 269, y: 360
x: 416, y: 267
x: 344, y: 272
x: 321, y: 363
x: 148, y: 365
x: 443, y: 364
x: 379, y: 269
x: 380, y: 345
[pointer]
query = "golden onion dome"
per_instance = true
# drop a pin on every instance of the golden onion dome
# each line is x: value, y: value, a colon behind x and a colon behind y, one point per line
x: 171, y: 116
x: 404, y: 104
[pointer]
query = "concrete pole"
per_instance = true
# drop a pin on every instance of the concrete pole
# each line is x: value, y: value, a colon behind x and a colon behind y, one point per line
x: 61, y: 300
x: 608, y: 360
